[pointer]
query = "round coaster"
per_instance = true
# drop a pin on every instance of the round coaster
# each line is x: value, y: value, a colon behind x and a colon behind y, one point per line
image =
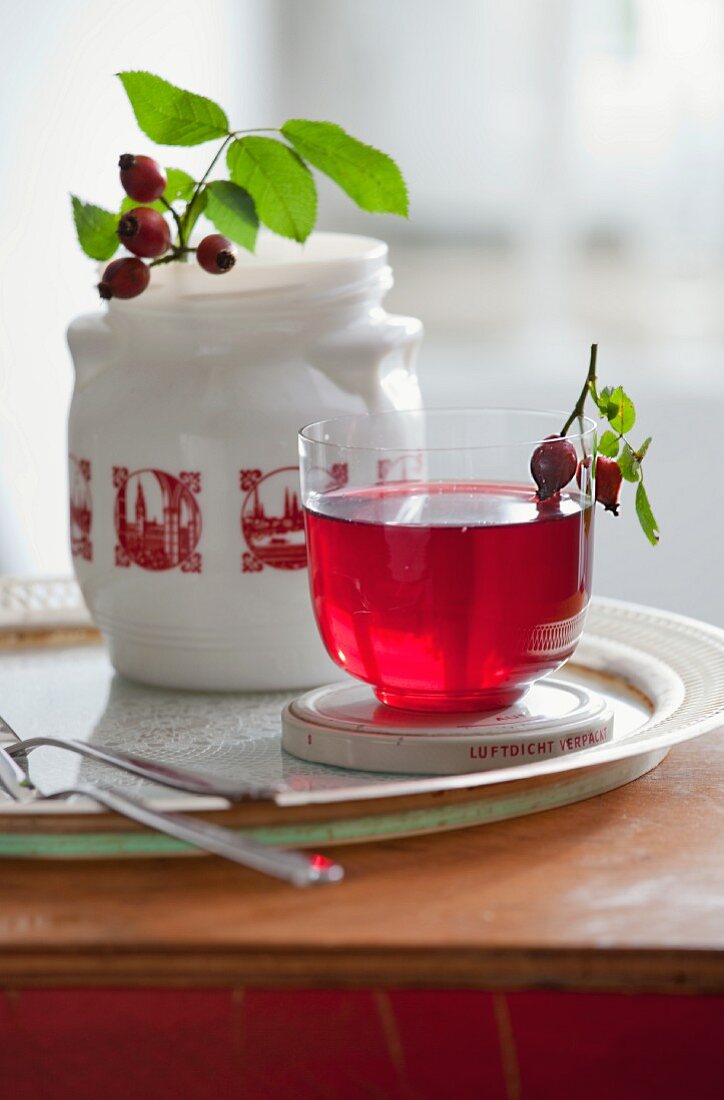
x: 346, y: 725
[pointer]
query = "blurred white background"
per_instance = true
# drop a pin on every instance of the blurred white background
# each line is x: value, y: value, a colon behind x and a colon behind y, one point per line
x: 566, y: 165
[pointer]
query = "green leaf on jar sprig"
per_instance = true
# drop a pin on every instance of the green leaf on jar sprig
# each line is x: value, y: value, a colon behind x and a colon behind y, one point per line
x: 170, y: 115
x: 369, y: 177
x: 96, y: 229
x: 279, y: 182
x: 231, y: 210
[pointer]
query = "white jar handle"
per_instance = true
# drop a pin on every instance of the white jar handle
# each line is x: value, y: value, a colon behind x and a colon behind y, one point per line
x: 397, y: 366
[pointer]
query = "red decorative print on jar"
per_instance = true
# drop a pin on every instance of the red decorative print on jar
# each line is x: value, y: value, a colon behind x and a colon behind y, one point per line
x: 272, y: 520
x: 158, y: 520
x: 81, y: 508
x: 406, y: 467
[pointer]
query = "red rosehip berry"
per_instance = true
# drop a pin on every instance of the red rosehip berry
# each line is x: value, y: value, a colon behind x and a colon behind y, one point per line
x: 553, y: 464
x: 608, y: 483
x: 216, y: 254
x: 142, y: 178
x: 144, y: 232
x: 125, y: 278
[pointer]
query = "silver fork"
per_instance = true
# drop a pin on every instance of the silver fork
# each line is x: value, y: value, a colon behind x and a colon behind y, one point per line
x: 168, y: 775
x: 294, y: 867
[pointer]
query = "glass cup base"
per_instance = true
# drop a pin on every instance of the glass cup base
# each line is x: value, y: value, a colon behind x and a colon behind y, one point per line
x: 435, y: 702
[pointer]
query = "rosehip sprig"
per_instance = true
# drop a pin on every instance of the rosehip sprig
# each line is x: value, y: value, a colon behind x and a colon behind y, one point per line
x: 617, y: 459
x: 271, y: 183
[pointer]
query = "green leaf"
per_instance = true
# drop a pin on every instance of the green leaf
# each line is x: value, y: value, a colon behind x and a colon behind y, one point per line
x: 370, y: 178
x: 620, y: 413
x: 180, y: 185
x: 603, y: 399
x: 170, y: 115
x: 629, y: 464
x: 278, y: 181
x: 646, y: 516
x: 96, y: 229
x: 644, y: 448
x: 231, y: 210
x: 131, y: 204
x: 630, y: 460
x: 608, y: 444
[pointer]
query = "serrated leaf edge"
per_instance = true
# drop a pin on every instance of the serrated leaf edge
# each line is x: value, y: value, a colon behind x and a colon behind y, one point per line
x: 353, y: 163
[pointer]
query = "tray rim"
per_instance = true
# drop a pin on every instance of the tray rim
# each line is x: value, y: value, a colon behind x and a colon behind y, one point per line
x: 645, y: 740
x: 365, y: 822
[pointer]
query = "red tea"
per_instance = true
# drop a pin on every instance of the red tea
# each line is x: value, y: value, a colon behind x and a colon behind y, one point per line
x: 447, y: 596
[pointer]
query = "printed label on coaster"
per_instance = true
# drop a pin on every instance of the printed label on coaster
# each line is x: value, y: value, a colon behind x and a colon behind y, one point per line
x: 344, y: 725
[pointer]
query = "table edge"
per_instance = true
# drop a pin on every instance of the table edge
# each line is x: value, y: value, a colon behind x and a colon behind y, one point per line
x: 630, y: 970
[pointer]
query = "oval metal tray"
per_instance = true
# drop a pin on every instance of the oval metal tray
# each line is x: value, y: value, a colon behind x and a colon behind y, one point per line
x: 663, y: 674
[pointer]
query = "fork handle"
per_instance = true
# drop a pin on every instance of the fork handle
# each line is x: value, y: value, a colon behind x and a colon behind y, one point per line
x: 293, y: 867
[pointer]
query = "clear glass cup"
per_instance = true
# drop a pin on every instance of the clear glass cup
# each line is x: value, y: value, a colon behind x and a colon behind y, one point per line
x: 437, y: 574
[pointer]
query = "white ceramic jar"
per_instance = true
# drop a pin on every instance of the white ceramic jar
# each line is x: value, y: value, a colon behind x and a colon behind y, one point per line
x: 186, y: 527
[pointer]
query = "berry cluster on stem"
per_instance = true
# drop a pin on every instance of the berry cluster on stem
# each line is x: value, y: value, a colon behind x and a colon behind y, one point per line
x: 145, y: 232
x: 270, y: 182
x: 555, y: 462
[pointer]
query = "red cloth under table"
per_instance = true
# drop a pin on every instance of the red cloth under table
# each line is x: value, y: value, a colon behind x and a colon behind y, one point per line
x: 406, y: 1044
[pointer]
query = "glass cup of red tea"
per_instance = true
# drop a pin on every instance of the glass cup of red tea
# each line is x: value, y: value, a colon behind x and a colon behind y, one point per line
x: 438, y: 574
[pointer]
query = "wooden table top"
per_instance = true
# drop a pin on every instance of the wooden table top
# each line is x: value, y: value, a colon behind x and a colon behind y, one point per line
x: 622, y: 892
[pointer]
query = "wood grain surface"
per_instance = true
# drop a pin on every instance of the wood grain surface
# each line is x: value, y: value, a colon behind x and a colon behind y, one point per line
x: 622, y: 892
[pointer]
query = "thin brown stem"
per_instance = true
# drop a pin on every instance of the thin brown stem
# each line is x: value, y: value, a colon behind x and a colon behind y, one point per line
x: 176, y: 218
x: 186, y: 216
x: 200, y: 184
x: 589, y: 386
x: 174, y: 254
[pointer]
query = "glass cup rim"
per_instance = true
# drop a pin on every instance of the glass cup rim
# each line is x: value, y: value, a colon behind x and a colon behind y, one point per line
x: 303, y: 434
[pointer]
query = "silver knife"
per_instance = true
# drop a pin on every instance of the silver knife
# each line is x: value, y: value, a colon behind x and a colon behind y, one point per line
x: 294, y: 867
